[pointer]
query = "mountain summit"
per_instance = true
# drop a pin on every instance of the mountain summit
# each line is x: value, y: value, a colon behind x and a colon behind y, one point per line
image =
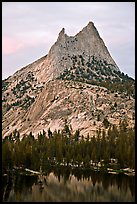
x: 77, y: 81
x: 87, y: 44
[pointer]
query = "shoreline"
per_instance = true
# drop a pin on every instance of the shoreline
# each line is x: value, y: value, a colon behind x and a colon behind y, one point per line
x: 126, y: 171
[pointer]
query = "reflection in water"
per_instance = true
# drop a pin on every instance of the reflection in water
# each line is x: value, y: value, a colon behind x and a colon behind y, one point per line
x: 63, y: 185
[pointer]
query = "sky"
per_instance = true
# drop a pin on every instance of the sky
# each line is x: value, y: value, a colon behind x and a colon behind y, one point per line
x: 29, y: 29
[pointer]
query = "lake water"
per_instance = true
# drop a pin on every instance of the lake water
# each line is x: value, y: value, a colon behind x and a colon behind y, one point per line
x: 65, y: 185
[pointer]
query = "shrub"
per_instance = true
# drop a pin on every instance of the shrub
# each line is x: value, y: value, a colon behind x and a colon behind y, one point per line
x: 106, y: 122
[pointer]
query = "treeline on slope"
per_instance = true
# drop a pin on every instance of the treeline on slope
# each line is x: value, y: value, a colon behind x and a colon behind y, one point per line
x: 53, y: 148
x: 100, y: 73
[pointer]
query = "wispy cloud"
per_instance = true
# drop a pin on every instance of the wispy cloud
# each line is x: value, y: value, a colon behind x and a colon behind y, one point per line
x: 10, y: 46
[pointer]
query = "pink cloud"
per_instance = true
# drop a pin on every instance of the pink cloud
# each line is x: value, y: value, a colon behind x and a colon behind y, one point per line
x: 10, y: 45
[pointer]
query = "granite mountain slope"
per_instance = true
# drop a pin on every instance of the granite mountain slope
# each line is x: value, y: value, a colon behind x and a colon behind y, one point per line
x: 77, y: 81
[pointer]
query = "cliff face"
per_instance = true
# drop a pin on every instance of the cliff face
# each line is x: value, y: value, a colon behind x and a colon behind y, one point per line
x: 86, y: 43
x: 61, y: 85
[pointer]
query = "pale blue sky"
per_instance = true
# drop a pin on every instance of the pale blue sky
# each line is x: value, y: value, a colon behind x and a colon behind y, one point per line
x: 29, y: 29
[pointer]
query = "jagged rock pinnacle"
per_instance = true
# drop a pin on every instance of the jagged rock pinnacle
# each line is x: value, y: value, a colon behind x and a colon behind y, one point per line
x: 61, y: 34
x: 86, y: 43
x: 90, y: 23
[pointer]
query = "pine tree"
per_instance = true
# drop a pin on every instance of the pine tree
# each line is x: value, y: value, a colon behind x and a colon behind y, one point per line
x: 106, y: 123
x: 77, y: 135
x: 49, y: 133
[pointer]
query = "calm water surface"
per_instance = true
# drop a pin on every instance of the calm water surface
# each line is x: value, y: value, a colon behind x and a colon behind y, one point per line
x: 70, y: 186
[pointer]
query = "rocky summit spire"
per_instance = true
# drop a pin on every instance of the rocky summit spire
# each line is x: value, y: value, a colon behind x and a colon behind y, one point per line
x: 90, y: 25
x: 92, y: 44
x: 61, y: 34
x: 86, y: 43
x: 90, y: 28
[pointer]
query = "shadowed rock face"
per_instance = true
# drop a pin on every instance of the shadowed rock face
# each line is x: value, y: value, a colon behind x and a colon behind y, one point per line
x: 34, y: 98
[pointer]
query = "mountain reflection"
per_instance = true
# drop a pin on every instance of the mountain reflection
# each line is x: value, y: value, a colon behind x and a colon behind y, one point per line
x: 64, y: 185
